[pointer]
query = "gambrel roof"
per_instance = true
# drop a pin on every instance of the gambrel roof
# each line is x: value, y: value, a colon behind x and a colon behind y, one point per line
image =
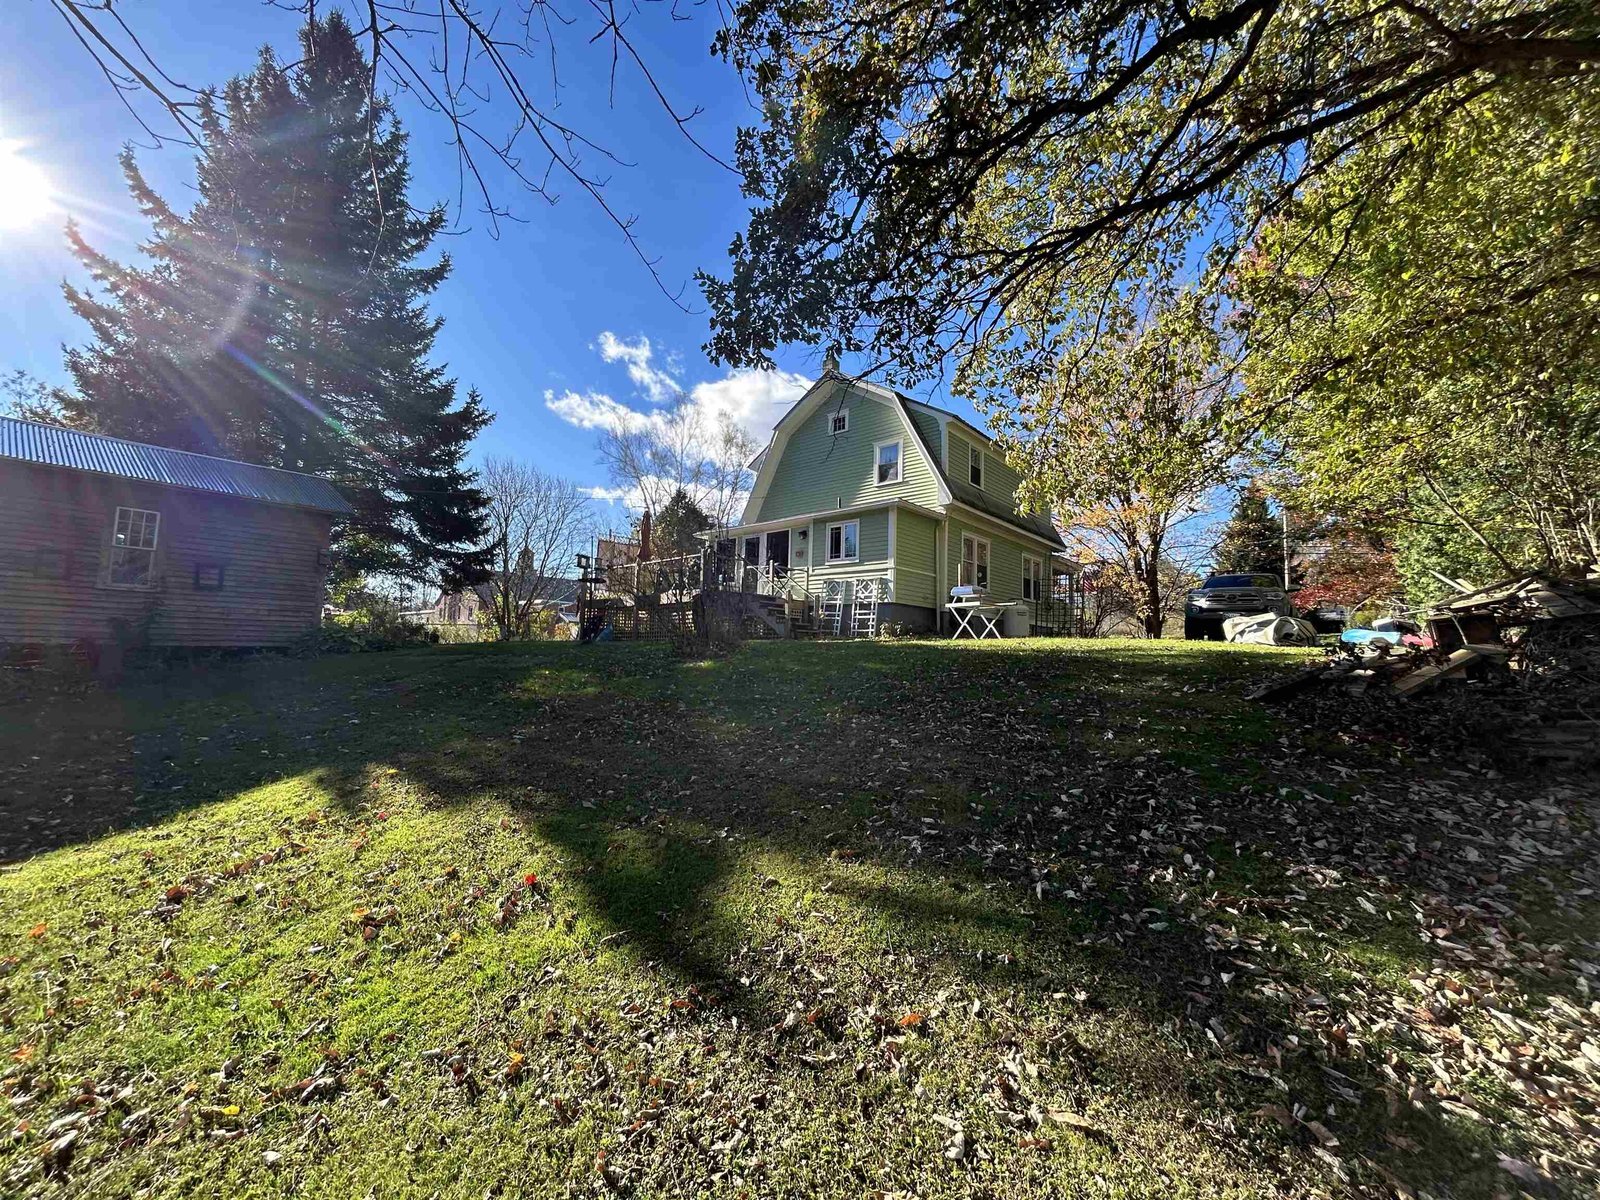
x: 952, y: 488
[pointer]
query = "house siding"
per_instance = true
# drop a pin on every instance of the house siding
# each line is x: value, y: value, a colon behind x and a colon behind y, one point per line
x: 820, y: 470
x: 915, y: 540
x: 873, y: 558
x: 273, y: 579
x: 1005, y: 555
x: 1000, y: 480
x: 928, y: 426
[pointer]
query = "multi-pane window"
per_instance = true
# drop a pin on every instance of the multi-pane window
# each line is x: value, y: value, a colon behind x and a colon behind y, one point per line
x: 844, y: 541
x: 840, y: 421
x: 888, y: 470
x: 133, y: 548
x: 974, y: 561
x: 975, y: 466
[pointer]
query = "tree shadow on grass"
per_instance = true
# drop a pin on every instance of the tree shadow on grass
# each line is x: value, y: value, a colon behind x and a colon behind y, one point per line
x: 912, y: 781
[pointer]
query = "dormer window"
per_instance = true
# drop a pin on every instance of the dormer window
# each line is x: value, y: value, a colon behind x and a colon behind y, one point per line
x: 839, y: 422
x: 888, y: 462
x: 975, y: 466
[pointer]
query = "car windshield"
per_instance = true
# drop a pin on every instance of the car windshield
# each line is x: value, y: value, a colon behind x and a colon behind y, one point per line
x: 1232, y: 581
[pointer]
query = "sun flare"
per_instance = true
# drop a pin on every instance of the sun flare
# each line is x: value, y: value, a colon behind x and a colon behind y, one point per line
x: 26, y: 195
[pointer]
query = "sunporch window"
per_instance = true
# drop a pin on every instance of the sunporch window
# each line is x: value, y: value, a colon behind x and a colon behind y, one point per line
x: 888, y: 462
x: 844, y: 541
x: 974, y: 561
x: 1032, y: 578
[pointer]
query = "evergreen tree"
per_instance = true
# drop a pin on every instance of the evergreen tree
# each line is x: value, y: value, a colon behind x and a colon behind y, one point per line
x: 283, y: 320
x: 675, y: 526
x: 1252, y: 541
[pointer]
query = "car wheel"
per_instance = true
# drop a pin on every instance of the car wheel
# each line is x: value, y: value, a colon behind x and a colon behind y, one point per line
x: 1193, y: 631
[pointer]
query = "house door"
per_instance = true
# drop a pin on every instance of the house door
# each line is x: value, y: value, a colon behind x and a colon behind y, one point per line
x: 778, y: 552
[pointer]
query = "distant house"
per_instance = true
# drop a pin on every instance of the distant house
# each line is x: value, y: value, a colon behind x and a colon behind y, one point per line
x: 472, y: 608
x: 102, y: 538
x: 868, y: 496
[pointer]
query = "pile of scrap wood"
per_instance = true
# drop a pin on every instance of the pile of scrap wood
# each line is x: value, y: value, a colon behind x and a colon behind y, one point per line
x: 1534, y: 642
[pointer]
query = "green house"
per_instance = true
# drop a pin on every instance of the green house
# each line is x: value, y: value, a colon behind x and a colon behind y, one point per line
x: 875, y: 506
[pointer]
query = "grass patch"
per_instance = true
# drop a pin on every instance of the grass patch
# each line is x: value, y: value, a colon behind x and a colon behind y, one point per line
x: 1010, y: 919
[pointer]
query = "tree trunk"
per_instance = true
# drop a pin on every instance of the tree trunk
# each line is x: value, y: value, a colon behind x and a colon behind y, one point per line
x: 1152, y: 598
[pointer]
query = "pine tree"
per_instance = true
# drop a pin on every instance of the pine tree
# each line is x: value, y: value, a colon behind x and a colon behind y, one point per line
x: 1252, y: 541
x: 283, y: 320
x: 676, y: 525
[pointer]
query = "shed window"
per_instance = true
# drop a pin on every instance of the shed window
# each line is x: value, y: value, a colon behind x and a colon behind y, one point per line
x: 208, y: 577
x: 975, y: 466
x: 840, y: 421
x: 888, y: 458
x: 133, y: 548
x: 844, y: 541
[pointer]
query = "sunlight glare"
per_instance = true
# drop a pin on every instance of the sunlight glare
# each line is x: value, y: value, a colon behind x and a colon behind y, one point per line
x: 26, y: 195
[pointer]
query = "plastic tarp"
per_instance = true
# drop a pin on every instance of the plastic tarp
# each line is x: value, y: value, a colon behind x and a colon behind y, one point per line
x: 1269, y: 629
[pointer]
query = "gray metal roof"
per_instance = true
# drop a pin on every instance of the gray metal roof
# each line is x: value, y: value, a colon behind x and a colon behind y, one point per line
x: 52, y: 446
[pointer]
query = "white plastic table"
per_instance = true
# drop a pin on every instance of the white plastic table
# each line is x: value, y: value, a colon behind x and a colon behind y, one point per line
x: 976, y: 618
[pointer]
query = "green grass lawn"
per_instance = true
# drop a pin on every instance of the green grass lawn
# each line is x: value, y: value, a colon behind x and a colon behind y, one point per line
x: 916, y: 919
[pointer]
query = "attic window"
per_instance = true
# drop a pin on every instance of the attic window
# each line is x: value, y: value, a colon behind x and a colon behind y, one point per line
x: 975, y: 466
x: 888, y: 462
x: 839, y: 422
x: 133, y: 548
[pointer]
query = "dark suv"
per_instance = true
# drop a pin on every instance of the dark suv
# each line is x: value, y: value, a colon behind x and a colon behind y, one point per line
x: 1224, y: 596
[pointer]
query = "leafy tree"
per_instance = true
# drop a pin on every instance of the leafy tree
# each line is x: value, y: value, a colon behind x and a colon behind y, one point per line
x: 1120, y: 438
x: 1428, y: 343
x: 1252, y: 541
x: 674, y: 528
x: 283, y: 319
x: 1349, y: 567
x: 1103, y: 135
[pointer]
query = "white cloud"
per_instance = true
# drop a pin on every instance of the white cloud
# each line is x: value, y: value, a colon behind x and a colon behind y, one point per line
x: 658, y: 386
x: 751, y: 399
x: 625, y: 496
x: 596, y: 410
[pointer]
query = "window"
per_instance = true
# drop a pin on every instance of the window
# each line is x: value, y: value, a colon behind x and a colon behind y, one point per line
x: 752, y: 550
x: 974, y: 561
x: 888, y: 459
x: 840, y: 421
x: 133, y: 548
x: 975, y: 466
x: 208, y: 577
x: 844, y: 541
x: 1032, y: 578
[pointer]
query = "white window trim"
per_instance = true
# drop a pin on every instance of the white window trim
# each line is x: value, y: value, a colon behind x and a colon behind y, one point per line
x: 827, y: 543
x: 899, y: 461
x: 840, y: 414
x: 116, y: 520
x: 975, y: 455
x: 988, y: 559
x: 1030, y: 561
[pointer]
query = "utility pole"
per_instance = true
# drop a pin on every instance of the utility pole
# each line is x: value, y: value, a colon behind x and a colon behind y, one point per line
x: 1285, y: 511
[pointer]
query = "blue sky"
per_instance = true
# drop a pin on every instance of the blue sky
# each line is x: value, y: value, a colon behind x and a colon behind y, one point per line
x: 556, y: 309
